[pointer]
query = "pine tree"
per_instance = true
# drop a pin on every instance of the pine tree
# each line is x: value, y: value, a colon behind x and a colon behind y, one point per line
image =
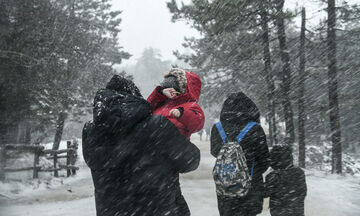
x: 286, y: 74
x: 301, y: 87
x: 268, y: 72
x: 51, y: 64
x: 333, y: 89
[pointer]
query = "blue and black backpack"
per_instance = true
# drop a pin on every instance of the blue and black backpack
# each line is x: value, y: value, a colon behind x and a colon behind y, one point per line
x: 231, y: 173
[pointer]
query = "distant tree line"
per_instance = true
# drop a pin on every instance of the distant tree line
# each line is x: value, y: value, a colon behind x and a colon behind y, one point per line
x: 149, y: 69
x: 309, y: 77
x: 53, y: 56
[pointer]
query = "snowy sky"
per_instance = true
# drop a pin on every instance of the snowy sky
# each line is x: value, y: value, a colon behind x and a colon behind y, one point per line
x: 147, y: 23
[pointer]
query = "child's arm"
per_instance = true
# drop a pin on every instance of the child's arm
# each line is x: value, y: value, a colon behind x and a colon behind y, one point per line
x: 156, y: 98
x: 192, y: 117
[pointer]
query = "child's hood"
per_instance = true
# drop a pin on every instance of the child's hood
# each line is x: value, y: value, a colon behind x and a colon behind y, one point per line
x: 189, y: 83
x: 193, y: 88
x: 281, y: 157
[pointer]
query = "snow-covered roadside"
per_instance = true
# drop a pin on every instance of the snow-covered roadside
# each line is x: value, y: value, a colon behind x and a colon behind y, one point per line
x: 329, y: 195
x: 79, y: 207
x: 28, y: 187
x: 332, y: 195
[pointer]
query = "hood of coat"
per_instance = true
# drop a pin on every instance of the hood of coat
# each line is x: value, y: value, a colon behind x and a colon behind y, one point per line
x: 239, y: 109
x: 119, y: 107
x: 189, y: 84
x: 281, y: 157
x: 122, y: 85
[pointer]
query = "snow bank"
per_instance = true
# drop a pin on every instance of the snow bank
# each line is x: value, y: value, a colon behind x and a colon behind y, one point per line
x: 332, y: 195
x: 21, y: 184
x: 318, y: 157
x: 328, y: 195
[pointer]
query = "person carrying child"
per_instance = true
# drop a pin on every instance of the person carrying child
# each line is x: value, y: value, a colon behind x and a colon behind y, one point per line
x: 286, y: 184
x: 176, y: 99
x: 134, y: 156
x: 239, y: 143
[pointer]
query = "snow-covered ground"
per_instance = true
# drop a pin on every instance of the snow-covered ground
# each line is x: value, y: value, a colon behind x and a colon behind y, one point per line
x: 329, y: 195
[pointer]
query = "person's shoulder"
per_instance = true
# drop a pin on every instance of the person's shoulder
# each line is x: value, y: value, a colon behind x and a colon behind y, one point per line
x: 257, y: 127
x: 103, y: 91
x: 159, y: 122
x: 213, y: 128
x: 298, y: 170
x: 155, y: 120
x: 273, y: 175
x: 88, y: 125
x: 257, y: 131
x: 103, y: 94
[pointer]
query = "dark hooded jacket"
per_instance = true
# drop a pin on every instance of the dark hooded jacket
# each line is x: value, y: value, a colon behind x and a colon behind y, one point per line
x: 237, y: 111
x: 286, y: 185
x: 134, y: 156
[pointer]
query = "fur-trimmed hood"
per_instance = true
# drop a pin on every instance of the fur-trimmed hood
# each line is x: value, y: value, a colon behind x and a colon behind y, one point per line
x: 189, y: 83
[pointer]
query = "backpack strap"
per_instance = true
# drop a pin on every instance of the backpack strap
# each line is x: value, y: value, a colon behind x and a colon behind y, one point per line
x: 222, y: 132
x: 252, y: 168
x: 244, y: 131
x: 241, y: 136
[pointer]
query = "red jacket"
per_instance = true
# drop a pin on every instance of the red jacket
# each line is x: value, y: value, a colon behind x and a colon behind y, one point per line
x: 193, y: 118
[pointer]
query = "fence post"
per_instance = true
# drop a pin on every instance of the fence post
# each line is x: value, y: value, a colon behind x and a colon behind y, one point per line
x: 68, y: 158
x: 75, y: 146
x: 2, y: 163
x: 56, y: 173
x: 36, y: 163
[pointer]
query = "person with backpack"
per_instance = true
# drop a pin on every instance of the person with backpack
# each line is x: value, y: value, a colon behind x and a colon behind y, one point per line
x: 176, y: 99
x: 286, y: 184
x: 134, y: 156
x: 239, y: 144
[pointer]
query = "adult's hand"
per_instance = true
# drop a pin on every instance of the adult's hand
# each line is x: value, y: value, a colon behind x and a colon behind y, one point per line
x: 169, y: 93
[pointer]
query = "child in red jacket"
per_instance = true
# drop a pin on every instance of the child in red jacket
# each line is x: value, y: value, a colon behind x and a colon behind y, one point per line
x: 176, y: 99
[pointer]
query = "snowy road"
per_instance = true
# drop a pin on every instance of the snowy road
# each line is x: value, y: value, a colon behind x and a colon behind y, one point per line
x: 327, y: 195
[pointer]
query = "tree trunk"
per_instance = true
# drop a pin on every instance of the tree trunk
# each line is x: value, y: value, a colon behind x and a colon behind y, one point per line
x: 27, y: 132
x: 301, y: 99
x: 333, y: 92
x: 268, y: 74
x: 59, y: 130
x: 286, y: 75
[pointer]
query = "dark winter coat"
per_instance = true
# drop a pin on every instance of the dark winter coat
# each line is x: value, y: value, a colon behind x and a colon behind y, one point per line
x: 192, y: 118
x: 134, y: 156
x: 237, y: 111
x: 286, y: 185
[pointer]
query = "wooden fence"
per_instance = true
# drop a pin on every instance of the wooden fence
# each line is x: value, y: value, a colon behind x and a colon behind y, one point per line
x: 70, y: 154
